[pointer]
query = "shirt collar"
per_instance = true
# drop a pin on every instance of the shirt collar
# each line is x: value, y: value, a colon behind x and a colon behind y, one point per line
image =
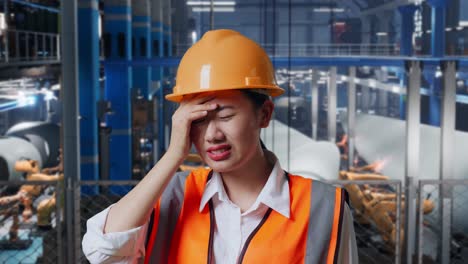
x: 275, y: 193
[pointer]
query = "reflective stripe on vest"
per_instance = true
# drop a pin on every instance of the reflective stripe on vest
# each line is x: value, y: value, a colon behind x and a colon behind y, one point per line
x: 181, y: 234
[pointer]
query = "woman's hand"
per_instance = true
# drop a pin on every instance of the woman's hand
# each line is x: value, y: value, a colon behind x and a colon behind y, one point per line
x: 188, y: 111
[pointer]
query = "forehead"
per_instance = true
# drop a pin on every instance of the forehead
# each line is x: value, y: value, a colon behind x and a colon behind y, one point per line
x: 231, y: 97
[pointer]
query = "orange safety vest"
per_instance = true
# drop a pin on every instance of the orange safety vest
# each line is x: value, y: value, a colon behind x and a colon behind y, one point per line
x: 179, y: 233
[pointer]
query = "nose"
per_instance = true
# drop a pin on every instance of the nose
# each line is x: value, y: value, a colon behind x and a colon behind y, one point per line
x: 213, y: 133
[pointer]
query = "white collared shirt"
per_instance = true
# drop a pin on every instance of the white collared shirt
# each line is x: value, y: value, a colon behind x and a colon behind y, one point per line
x: 231, y: 230
x: 233, y: 227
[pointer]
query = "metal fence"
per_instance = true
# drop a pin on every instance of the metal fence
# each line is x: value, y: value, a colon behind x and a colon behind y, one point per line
x: 30, y: 226
x: 93, y: 197
x: 376, y: 207
x: 30, y: 230
x: 442, y: 236
x: 376, y: 229
x: 24, y: 46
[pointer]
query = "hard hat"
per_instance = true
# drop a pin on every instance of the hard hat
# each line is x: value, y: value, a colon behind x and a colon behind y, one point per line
x: 224, y: 60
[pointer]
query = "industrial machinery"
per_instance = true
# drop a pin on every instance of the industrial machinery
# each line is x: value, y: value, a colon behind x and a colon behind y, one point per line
x: 142, y: 136
x: 26, y: 209
x: 37, y: 141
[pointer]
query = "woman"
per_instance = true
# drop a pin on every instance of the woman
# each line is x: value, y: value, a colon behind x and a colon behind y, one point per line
x: 245, y: 208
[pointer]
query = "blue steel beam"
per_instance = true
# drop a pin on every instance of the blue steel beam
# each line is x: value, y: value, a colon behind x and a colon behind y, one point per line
x: 118, y: 26
x: 308, y: 61
x: 407, y: 29
x: 439, y: 8
x: 141, y: 32
x: 88, y: 50
x: 157, y: 38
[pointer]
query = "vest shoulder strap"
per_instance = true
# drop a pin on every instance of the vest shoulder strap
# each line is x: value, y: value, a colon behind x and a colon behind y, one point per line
x: 164, y: 218
x: 326, y: 212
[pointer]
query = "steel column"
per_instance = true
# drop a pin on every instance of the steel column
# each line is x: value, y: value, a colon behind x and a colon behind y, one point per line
x: 141, y: 26
x: 332, y: 105
x: 157, y: 36
x: 88, y: 15
x: 351, y: 114
x: 446, y: 155
x: 413, y: 112
x: 71, y: 131
x: 117, y: 24
x: 438, y: 27
x: 407, y: 29
x: 315, y: 102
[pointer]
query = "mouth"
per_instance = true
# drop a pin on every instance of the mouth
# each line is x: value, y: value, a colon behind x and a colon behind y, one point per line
x: 219, y: 152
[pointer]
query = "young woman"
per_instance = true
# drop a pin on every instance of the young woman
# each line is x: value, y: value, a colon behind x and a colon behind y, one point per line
x: 245, y: 208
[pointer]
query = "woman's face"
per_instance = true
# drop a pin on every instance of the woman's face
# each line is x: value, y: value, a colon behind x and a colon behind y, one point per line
x: 229, y: 136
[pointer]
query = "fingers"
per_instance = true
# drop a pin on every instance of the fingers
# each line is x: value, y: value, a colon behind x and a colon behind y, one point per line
x: 203, y: 107
x: 197, y: 115
x: 198, y: 99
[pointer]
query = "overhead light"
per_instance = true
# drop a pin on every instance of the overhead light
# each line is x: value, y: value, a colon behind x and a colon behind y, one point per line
x: 328, y: 10
x: 215, y: 9
x: 463, y: 23
x: 99, y: 26
x: 448, y: 29
x: 3, y: 24
x: 55, y: 87
x: 24, y: 100
x: 396, y: 89
x: 208, y: 3
x: 459, y: 28
x: 428, y: 31
x: 194, y: 37
x: 382, y: 33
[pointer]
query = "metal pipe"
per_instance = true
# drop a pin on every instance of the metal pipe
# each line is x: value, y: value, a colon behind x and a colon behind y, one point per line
x: 27, y: 46
x: 448, y: 113
x: 351, y: 114
x: 420, y: 221
x: 71, y: 132
x: 398, y: 225
x: 6, y: 33
x: 314, y: 108
x: 17, y: 53
x: 211, y: 14
x: 332, y: 105
x: 413, y: 112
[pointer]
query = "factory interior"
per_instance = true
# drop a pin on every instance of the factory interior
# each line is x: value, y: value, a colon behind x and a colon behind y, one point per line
x: 376, y: 101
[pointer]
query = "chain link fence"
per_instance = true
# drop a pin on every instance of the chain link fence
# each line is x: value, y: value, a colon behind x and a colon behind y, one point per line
x: 92, y: 198
x: 443, y: 233
x: 377, y: 210
x: 30, y: 221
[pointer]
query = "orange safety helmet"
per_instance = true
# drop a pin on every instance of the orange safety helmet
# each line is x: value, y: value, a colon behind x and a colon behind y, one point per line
x: 224, y: 60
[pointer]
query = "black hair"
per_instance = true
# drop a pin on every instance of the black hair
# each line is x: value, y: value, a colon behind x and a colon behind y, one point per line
x: 257, y: 99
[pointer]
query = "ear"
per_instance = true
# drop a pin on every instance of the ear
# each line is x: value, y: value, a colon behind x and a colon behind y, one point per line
x: 265, y: 113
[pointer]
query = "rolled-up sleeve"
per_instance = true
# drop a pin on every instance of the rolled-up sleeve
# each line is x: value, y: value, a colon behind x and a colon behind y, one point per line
x: 118, y: 247
x: 348, y: 253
